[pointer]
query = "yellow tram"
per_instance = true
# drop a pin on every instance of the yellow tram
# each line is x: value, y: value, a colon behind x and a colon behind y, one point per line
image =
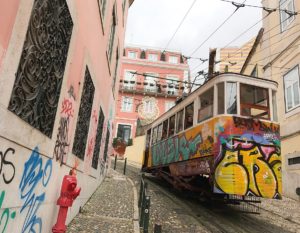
x: 221, y: 139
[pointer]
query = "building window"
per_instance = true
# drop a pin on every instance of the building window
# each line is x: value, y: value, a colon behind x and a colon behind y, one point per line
x: 291, y: 89
x: 39, y: 77
x: 106, y: 144
x: 98, y: 139
x: 132, y: 54
x: 172, y: 84
x: 84, y: 116
x: 116, y: 70
x: 124, y: 132
x: 152, y: 57
x: 293, y: 161
x: 150, y: 83
x: 112, y: 34
x: 129, y: 80
x: 127, y: 104
x: 169, y: 105
x: 148, y: 106
x: 285, y: 18
x: 173, y: 59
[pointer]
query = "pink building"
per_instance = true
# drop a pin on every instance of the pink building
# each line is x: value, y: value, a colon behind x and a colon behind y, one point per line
x: 151, y: 81
x: 59, y: 63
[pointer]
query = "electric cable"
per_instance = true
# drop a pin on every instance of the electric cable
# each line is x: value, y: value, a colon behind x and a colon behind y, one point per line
x: 194, y: 51
x: 181, y: 22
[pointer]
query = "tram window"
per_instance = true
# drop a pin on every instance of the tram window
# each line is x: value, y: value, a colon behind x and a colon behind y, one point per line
x: 189, y: 116
x: 206, y: 105
x: 172, y: 126
x: 231, y: 91
x: 254, y: 101
x: 148, y: 138
x: 220, y: 98
x: 179, y: 121
x: 154, y: 135
x: 159, y: 132
x: 165, y: 130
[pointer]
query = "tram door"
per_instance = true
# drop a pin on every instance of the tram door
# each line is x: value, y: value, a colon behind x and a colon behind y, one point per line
x: 146, y: 156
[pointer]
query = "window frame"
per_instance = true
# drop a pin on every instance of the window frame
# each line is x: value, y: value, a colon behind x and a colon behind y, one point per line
x: 132, y: 52
x: 151, y: 56
x: 185, y: 116
x: 123, y: 109
x: 177, y: 121
x: 292, y: 18
x: 198, y: 120
x: 171, y: 57
x: 285, y: 88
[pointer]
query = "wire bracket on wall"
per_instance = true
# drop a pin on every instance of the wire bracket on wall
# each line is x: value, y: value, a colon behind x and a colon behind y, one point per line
x: 290, y: 13
x: 269, y: 10
x: 238, y: 5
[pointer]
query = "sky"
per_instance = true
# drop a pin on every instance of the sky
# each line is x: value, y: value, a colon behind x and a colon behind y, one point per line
x: 152, y: 23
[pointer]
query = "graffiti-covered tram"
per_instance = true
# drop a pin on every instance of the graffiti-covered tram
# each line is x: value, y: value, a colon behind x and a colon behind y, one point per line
x: 222, y: 139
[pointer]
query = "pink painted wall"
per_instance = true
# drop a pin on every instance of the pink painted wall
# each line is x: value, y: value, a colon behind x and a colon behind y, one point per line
x: 8, y: 11
x: 20, y: 141
x: 161, y: 68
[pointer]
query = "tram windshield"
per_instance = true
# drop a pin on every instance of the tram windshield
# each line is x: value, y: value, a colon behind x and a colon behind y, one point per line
x: 254, y: 101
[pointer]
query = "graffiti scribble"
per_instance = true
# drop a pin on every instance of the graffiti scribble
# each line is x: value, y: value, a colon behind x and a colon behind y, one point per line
x: 7, y: 165
x: 34, y: 174
x: 6, y: 214
x: 249, y: 168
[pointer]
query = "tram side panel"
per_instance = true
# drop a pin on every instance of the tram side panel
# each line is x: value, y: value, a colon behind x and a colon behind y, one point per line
x: 248, y: 161
x: 241, y: 155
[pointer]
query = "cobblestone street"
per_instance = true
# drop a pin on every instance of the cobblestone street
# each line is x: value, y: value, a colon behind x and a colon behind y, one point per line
x: 112, y: 209
x: 109, y: 210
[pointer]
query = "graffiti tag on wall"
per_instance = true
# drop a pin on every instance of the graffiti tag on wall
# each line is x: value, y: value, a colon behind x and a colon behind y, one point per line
x: 6, y: 214
x: 62, y: 140
x: 35, y: 174
x: 7, y: 168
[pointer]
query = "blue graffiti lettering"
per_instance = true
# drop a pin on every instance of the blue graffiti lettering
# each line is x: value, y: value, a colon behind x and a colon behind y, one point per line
x: 34, y: 174
x: 170, y: 150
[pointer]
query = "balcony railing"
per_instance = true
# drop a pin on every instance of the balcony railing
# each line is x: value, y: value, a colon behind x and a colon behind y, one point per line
x: 150, y: 88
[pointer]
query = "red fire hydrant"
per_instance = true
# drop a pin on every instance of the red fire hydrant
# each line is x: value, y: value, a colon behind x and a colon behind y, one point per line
x: 68, y: 194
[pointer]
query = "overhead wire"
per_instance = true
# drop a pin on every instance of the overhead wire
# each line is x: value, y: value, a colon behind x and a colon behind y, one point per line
x: 195, y: 50
x: 240, y: 49
x: 181, y: 22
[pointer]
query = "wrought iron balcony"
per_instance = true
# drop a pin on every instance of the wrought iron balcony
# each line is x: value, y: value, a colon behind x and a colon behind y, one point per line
x: 171, y: 90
